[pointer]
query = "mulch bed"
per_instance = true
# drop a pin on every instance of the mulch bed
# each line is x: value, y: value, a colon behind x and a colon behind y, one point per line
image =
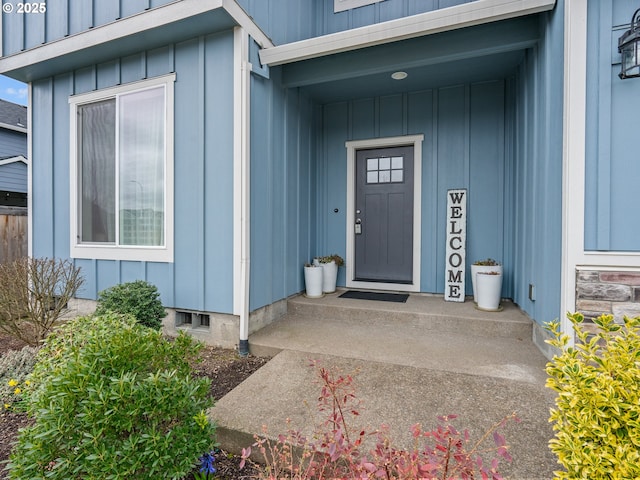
x: 225, y: 369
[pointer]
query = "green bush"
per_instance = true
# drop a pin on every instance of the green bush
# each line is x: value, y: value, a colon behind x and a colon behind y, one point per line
x: 597, y: 414
x: 139, y: 298
x: 113, y: 399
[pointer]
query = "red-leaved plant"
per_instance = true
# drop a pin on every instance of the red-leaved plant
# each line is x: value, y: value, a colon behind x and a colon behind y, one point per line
x: 333, y: 451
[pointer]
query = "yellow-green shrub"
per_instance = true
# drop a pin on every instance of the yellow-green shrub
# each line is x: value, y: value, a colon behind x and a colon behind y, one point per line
x: 597, y: 414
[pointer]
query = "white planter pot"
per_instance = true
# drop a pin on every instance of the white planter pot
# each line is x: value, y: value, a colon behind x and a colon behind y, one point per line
x: 313, y: 281
x: 475, y: 269
x: 489, y: 291
x: 329, y: 276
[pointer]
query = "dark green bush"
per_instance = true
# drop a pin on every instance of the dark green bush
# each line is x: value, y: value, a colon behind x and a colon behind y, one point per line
x: 113, y: 399
x: 139, y: 298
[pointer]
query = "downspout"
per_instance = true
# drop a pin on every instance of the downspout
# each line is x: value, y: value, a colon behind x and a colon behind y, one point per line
x: 242, y: 69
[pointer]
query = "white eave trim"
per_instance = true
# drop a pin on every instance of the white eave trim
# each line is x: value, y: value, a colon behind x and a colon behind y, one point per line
x: 140, y: 22
x: 15, y: 128
x: 17, y: 158
x: 442, y: 20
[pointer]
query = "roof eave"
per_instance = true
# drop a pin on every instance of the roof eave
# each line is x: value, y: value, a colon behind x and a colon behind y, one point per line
x: 442, y: 20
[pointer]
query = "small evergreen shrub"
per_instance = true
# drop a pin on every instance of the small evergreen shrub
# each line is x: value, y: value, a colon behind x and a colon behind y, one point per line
x: 113, y: 399
x: 597, y: 414
x: 140, y: 299
x: 15, y: 366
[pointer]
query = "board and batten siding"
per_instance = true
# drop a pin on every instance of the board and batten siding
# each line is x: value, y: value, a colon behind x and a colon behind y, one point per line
x: 464, y: 147
x: 288, y: 21
x: 612, y: 166
x: 534, y: 133
x: 283, y: 176
x: 21, y: 31
x: 201, y: 277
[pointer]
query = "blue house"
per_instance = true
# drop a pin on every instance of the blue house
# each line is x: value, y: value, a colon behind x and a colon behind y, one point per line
x: 212, y: 147
x: 13, y: 154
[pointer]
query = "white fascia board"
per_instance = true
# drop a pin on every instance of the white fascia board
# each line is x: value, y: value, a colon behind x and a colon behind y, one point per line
x: 442, y: 20
x: 18, y: 158
x: 247, y: 23
x: 15, y: 128
x: 140, y: 22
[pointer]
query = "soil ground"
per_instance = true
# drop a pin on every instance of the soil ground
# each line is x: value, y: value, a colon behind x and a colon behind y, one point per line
x: 225, y: 369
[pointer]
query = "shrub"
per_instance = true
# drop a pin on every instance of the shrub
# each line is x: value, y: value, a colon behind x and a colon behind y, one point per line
x: 140, y: 299
x: 113, y: 399
x: 33, y: 296
x: 15, y: 366
x: 335, y: 451
x: 597, y: 414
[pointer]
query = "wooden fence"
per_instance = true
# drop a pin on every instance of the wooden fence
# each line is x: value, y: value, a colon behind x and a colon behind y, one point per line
x: 13, y: 233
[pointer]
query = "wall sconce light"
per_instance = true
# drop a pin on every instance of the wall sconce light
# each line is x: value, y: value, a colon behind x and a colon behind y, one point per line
x: 629, y: 48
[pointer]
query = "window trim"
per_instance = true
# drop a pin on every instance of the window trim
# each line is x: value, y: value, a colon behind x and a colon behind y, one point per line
x: 116, y: 252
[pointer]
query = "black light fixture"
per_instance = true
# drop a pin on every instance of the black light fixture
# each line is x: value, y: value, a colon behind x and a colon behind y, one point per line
x: 629, y: 48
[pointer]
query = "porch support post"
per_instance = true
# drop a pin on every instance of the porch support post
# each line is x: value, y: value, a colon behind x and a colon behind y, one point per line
x: 574, y: 134
x: 241, y: 144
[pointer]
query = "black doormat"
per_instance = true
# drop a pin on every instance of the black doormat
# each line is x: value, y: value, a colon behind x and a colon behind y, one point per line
x: 381, y: 297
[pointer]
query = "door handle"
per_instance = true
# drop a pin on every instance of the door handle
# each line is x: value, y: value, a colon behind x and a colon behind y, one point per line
x: 358, y: 226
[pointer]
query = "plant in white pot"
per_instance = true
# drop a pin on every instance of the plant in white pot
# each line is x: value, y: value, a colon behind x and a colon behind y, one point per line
x: 313, y: 280
x: 488, y: 265
x: 489, y: 290
x: 330, y: 265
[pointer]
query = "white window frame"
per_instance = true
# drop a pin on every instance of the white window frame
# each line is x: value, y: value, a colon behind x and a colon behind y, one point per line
x: 117, y: 252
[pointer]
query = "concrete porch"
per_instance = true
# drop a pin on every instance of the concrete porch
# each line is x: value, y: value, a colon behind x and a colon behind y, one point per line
x: 413, y: 361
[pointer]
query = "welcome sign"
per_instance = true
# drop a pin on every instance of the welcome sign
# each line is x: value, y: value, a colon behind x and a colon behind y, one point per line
x: 456, y: 245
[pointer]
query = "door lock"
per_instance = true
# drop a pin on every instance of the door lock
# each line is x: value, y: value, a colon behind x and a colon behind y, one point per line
x: 358, y: 226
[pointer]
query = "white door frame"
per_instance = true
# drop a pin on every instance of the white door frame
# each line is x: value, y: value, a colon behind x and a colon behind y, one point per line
x: 409, y: 140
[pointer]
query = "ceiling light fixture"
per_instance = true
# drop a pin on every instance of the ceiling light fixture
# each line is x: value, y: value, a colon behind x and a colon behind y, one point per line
x: 399, y: 75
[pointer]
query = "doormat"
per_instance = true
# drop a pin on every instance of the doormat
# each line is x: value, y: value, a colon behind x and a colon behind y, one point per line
x: 381, y: 297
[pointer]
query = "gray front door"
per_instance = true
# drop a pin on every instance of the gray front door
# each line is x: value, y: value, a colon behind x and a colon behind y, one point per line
x: 384, y: 215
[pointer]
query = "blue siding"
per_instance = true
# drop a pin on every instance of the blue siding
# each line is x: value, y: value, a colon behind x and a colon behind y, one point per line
x: 13, y: 177
x: 282, y: 189
x: 201, y: 277
x: 612, y: 168
x: 311, y: 19
x: 535, y: 173
x: 63, y: 18
x: 12, y: 143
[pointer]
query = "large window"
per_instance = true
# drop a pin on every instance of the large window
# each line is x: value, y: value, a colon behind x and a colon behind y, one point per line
x: 122, y: 149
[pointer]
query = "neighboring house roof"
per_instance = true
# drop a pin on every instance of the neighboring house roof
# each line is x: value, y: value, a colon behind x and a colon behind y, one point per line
x: 13, y: 116
x: 12, y: 159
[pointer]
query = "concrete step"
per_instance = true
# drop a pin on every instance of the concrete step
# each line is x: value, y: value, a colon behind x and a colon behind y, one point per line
x: 411, y: 362
x: 426, y: 332
x: 428, y: 312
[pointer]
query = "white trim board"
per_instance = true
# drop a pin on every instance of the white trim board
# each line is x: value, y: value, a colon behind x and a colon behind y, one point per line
x: 466, y: 15
x: 573, y: 155
x: 140, y: 22
x: 17, y: 158
x: 352, y: 146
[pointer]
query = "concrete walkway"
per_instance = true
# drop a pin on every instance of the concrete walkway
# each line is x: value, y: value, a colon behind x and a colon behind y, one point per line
x: 412, y: 363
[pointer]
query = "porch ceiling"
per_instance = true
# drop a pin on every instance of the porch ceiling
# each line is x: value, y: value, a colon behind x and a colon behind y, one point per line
x: 471, y: 54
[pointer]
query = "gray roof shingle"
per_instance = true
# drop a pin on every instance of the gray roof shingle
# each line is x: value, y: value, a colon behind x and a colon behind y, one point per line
x: 13, y: 114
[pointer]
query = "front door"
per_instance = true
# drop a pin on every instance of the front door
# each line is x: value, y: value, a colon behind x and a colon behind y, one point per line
x: 383, y: 227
